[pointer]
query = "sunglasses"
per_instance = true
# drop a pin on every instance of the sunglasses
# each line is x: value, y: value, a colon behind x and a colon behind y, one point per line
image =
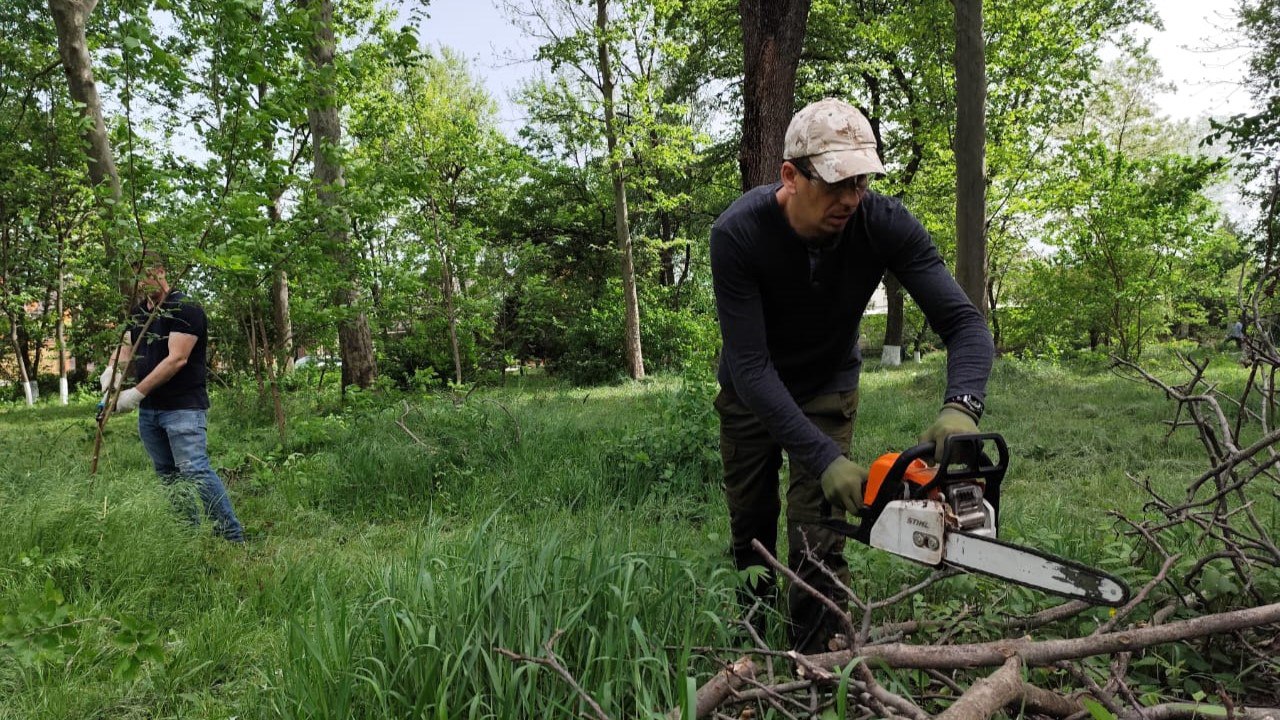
x: 857, y: 183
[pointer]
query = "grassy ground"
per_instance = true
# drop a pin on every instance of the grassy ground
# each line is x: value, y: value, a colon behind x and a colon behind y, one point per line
x: 385, y: 568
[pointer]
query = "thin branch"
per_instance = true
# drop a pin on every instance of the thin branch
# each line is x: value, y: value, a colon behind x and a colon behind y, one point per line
x: 554, y: 664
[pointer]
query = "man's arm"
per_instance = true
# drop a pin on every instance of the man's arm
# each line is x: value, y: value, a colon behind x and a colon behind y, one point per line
x: 917, y: 264
x: 746, y: 353
x: 180, y: 347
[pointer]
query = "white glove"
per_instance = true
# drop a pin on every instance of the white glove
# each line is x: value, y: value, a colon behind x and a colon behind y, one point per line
x: 109, y: 378
x: 129, y: 400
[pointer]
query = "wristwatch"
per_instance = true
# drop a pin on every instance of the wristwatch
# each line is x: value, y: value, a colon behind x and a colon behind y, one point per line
x: 971, y: 403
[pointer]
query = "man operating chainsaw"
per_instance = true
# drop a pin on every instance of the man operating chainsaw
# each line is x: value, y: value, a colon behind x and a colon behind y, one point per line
x: 794, y: 265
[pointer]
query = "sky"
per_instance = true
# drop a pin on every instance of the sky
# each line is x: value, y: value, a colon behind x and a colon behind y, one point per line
x: 1205, y: 79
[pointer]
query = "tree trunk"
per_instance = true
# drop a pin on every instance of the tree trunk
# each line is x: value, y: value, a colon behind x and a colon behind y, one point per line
x: 631, y: 341
x: 772, y: 36
x: 280, y: 317
x: 355, y: 343
x: 61, y: 337
x: 446, y: 281
x: 69, y: 20
x: 23, y: 375
x: 970, y: 150
x: 891, y: 351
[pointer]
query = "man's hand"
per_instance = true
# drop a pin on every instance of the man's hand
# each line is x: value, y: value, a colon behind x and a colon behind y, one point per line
x: 109, y: 378
x: 843, y: 482
x: 129, y: 400
x: 952, y: 420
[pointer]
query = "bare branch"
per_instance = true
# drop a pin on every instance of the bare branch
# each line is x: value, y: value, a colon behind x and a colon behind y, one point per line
x: 551, y: 661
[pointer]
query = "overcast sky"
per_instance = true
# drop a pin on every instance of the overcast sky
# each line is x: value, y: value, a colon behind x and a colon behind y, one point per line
x: 1205, y: 79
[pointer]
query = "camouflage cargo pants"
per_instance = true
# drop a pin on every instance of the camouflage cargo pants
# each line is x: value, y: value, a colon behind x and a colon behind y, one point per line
x: 752, y: 461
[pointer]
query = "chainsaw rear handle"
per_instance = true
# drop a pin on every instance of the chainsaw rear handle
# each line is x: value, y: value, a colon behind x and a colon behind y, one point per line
x: 978, y: 467
x: 952, y: 468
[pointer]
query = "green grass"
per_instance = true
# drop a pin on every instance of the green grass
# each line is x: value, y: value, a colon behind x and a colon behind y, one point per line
x: 386, y: 570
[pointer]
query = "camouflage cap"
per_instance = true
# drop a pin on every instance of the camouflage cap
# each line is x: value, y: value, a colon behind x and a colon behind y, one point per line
x: 836, y: 138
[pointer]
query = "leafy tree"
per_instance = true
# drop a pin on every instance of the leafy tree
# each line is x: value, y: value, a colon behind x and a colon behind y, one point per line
x: 1124, y: 246
x: 435, y: 167
x: 657, y: 64
x: 359, y: 366
x: 1255, y: 135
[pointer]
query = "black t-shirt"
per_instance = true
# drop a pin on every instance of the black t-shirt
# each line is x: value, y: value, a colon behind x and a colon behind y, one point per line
x: 186, y: 389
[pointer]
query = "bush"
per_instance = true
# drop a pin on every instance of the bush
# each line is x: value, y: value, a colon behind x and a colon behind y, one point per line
x: 425, y: 349
x: 677, y: 456
x: 593, y: 348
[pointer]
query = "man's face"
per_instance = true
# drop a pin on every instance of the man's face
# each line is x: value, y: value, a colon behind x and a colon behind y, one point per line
x: 152, y: 283
x: 818, y: 208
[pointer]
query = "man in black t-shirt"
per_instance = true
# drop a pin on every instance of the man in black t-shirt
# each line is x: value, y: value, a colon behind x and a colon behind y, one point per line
x: 171, y: 394
x: 794, y: 264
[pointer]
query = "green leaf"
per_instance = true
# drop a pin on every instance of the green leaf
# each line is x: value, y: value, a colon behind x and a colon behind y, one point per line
x: 1097, y: 710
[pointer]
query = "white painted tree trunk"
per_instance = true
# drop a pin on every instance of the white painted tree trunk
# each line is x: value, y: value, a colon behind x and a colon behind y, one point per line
x: 891, y: 355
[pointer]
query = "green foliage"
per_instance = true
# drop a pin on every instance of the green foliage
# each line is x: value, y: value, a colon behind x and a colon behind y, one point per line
x: 677, y: 455
x: 592, y: 352
x: 1122, y: 260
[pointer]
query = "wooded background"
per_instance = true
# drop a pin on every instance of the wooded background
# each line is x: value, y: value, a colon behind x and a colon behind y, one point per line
x: 328, y: 186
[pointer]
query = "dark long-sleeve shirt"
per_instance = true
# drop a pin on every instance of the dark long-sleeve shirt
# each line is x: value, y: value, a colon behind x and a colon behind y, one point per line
x: 789, y: 315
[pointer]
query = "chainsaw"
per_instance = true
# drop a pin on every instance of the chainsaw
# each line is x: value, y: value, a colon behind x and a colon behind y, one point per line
x: 946, y: 515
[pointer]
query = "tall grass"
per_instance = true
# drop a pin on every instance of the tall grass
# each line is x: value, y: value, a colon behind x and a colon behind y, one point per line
x: 422, y: 641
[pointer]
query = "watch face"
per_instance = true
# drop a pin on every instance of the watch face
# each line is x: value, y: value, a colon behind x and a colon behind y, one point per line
x: 974, y: 404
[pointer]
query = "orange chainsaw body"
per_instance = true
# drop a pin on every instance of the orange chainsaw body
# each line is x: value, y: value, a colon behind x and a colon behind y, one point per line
x: 918, y: 473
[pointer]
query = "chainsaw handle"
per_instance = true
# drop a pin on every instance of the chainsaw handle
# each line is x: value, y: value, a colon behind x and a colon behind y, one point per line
x: 895, y: 487
x: 978, y: 467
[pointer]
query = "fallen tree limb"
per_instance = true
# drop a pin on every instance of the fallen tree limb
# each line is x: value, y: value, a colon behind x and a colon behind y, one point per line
x: 1046, y: 702
x: 989, y: 694
x: 991, y: 654
x: 719, y: 688
x: 890, y: 700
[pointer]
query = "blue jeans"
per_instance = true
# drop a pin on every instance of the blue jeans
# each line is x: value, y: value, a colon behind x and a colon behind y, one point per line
x: 175, y: 440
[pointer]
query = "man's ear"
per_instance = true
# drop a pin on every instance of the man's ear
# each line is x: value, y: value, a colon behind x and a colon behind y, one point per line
x: 788, y: 174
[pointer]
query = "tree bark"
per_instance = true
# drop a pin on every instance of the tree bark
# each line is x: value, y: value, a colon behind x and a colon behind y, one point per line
x: 69, y: 18
x: 893, y: 321
x: 631, y: 339
x: 281, y: 320
x: 772, y: 37
x: 60, y: 336
x: 355, y: 342
x: 988, y: 695
x: 719, y: 688
x: 970, y: 150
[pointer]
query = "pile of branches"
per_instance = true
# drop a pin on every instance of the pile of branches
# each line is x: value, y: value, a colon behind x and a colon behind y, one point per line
x: 968, y: 681
x: 1211, y: 603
